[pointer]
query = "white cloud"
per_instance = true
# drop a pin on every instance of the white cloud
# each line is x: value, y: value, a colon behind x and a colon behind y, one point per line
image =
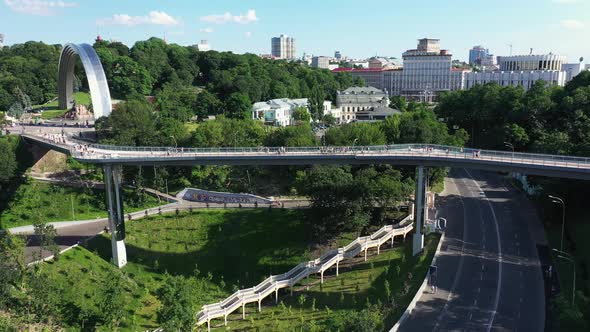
x: 206, y: 30
x: 38, y: 7
x: 248, y: 34
x: 227, y: 17
x: 154, y: 17
x: 572, y: 24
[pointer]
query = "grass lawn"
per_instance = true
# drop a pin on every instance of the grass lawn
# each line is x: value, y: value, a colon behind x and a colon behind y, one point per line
x: 228, y: 249
x: 81, y: 98
x: 35, y: 200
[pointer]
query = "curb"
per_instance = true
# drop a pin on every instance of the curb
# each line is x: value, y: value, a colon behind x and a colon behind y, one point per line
x: 414, y: 301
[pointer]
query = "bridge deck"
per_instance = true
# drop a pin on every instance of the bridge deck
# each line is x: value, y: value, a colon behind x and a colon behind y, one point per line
x: 401, y: 154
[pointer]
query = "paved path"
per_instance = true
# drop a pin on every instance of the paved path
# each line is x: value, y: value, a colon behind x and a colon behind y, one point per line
x: 489, y: 277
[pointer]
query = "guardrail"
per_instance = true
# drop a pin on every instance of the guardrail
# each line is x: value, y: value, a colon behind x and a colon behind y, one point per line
x: 112, y: 153
x: 273, y: 283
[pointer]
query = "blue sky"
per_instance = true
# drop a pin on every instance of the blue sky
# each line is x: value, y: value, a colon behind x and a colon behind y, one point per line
x: 357, y: 28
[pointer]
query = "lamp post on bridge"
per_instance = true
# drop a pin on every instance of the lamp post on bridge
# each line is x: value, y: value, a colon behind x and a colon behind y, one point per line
x: 354, y: 142
x: 557, y: 200
x: 568, y: 257
x: 175, y: 142
x: 511, y: 146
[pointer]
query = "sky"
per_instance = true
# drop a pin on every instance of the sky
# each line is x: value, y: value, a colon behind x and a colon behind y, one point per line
x: 358, y: 29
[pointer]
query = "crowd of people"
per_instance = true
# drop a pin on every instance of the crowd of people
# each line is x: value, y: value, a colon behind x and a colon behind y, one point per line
x: 55, y: 138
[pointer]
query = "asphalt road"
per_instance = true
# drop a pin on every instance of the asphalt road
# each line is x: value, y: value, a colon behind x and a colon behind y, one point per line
x: 489, y: 277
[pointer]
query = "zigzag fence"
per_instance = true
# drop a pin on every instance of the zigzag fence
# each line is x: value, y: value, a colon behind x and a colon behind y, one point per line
x: 272, y: 284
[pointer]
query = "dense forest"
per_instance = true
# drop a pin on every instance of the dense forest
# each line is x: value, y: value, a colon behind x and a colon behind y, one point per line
x: 202, y: 83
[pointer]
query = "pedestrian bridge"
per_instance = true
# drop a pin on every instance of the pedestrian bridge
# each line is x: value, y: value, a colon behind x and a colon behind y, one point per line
x: 273, y: 283
x: 427, y: 155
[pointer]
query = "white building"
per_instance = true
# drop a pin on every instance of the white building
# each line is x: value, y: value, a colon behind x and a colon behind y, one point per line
x: 320, y: 62
x: 357, y: 99
x: 531, y: 62
x: 203, y: 46
x: 279, y: 112
x: 428, y: 71
x: 283, y: 47
x: 524, y: 78
x: 1, y: 40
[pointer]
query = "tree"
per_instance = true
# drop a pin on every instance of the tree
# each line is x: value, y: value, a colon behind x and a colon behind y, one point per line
x: 399, y: 103
x: 300, y: 135
x: 12, y: 266
x: 129, y: 78
x: 131, y: 123
x: 516, y: 135
x: 206, y: 104
x: 238, y: 106
x: 301, y: 115
x: 316, y: 102
x: 176, y: 101
x: 8, y: 163
x: 46, y: 235
x: 178, y: 310
x: 113, y: 300
x: 356, y: 133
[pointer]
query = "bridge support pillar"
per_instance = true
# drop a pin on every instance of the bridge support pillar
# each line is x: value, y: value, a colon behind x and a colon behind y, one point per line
x: 378, y: 249
x: 243, y: 311
x: 392, y: 236
x: 259, y: 307
x: 112, y: 180
x: 277, y: 296
x: 419, y: 209
x: 225, y: 320
x: 209, y: 325
x: 322, y: 277
x: 366, y: 254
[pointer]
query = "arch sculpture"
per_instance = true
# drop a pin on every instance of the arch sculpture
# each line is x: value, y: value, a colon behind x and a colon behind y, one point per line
x: 97, y: 81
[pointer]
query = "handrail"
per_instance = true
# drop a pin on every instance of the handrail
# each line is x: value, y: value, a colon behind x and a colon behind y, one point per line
x: 304, y: 269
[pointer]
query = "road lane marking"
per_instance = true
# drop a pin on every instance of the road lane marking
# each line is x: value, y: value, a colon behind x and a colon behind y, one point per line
x: 491, y: 322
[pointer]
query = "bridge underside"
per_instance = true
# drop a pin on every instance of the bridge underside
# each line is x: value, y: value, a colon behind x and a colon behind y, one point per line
x: 489, y: 165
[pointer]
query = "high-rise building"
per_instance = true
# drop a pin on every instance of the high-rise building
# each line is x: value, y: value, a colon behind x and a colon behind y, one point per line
x: 480, y: 56
x: 338, y: 55
x: 283, y: 47
x: 1, y: 40
x: 320, y: 62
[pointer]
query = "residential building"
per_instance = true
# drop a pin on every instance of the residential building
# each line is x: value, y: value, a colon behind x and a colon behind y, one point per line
x: 320, y: 62
x: 283, y: 47
x: 1, y: 40
x: 338, y: 55
x: 531, y: 62
x: 357, y: 99
x: 480, y: 56
x: 279, y: 112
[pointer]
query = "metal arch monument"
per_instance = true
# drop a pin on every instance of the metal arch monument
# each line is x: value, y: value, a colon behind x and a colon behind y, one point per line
x: 101, y: 104
x: 97, y: 80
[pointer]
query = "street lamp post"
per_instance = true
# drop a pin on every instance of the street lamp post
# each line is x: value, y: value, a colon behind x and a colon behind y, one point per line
x: 354, y: 142
x: 508, y: 144
x: 560, y: 201
x: 568, y: 257
x: 175, y: 143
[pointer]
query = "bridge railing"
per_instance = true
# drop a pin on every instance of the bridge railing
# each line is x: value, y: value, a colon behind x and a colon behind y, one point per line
x: 432, y: 150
